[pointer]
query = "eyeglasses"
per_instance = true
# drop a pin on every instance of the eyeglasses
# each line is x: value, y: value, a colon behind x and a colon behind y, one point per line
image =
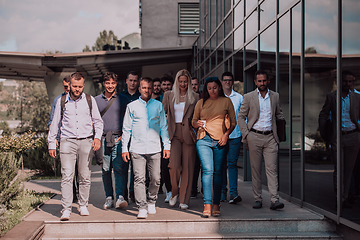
x: 211, y: 79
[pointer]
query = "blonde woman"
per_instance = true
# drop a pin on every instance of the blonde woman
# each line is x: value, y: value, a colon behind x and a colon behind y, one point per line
x: 179, y: 107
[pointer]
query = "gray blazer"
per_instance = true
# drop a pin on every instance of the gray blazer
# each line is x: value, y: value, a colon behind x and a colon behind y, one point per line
x: 250, y: 111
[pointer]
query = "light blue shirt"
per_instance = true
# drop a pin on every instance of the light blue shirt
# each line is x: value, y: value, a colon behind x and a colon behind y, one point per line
x: 76, y: 121
x: 145, y: 123
x: 264, y: 121
x: 346, y: 123
x: 236, y: 99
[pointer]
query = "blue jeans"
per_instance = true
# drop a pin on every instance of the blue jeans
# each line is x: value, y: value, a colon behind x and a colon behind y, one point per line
x: 113, y: 161
x: 232, y: 157
x: 212, y: 157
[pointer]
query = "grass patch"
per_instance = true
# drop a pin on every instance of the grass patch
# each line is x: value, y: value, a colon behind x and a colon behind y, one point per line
x: 19, y: 207
x: 43, y: 177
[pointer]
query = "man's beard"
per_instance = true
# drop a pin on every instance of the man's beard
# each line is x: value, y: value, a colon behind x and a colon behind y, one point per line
x: 73, y: 95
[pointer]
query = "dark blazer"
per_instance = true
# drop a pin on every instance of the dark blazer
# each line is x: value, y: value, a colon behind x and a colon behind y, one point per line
x: 250, y: 110
x: 168, y: 103
x: 330, y: 106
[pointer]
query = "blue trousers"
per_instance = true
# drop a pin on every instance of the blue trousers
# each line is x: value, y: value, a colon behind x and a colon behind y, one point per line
x: 231, y: 162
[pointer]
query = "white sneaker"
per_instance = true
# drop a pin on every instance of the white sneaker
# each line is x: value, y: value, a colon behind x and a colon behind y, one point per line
x: 84, y: 211
x: 168, y: 196
x: 183, y: 206
x: 151, y: 208
x: 121, y: 203
x: 173, y: 200
x: 142, y: 214
x: 108, y: 203
x: 65, y: 215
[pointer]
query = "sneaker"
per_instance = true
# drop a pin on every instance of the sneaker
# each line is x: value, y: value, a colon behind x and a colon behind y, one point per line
x: 257, y: 205
x: 183, y: 206
x: 65, y: 215
x: 108, y: 203
x: 235, y: 200
x: 84, y: 211
x: 276, y: 205
x: 223, y: 197
x: 121, y: 203
x: 142, y: 214
x: 173, y: 200
x: 168, y: 196
x: 151, y: 208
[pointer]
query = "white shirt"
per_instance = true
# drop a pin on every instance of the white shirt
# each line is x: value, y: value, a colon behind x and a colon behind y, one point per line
x: 264, y: 121
x: 145, y: 123
x: 236, y: 99
x: 179, y: 112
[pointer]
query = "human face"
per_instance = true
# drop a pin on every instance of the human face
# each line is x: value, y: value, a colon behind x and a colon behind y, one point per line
x: 213, y: 90
x: 348, y: 82
x: 166, y: 86
x: 110, y: 85
x: 183, y: 83
x: 76, y: 88
x: 132, y: 82
x: 145, y: 90
x: 227, y: 83
x: 157, y: 88
x: 262, y: 82
x: 66, y: 86
x: 195, y: 85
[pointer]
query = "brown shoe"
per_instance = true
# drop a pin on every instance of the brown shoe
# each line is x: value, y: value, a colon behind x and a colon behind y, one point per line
x: 216, y: 210
x: 207, y: 211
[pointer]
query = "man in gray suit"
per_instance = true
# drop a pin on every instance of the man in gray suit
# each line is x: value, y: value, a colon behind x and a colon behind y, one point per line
x: 261, y: 109
x: 350, y: 134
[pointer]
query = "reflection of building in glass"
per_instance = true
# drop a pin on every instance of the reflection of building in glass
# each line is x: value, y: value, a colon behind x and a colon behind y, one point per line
x: 304, y: 46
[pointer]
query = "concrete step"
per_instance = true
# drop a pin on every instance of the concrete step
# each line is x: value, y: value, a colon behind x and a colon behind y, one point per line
x: 199, y: 229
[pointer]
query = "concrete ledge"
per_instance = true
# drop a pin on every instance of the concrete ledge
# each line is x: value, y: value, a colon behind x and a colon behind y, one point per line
x: 25, y: 230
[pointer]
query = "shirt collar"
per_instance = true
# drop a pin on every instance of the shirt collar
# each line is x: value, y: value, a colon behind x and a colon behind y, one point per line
x: 267, y: 94
x: 70, y: 99
x: 143, y: 102
x: 232, y: 93
x: 113, y: 96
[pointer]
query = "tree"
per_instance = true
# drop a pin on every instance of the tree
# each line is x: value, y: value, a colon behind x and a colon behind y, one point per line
x: 104, y: 38
x: 310, y: 50
x: 34, y: 107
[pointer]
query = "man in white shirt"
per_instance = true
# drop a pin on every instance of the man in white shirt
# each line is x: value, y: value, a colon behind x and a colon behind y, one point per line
x: 261, y: 109
x: 145, y: 122
x: 234, y: 142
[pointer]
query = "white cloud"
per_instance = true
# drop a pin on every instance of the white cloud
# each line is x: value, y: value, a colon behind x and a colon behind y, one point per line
x: 66, y: 25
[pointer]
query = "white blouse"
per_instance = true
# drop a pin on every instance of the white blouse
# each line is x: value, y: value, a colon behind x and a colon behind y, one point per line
x: 179, y: 112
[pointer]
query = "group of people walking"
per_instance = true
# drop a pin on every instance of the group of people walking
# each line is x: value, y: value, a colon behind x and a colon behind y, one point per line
x: 162, y: 134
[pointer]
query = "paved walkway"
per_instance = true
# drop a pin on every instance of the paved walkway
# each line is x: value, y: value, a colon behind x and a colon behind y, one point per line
x: 50, y: 211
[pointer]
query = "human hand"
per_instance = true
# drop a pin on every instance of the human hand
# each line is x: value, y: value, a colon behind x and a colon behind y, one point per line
x: 125, y: 156
x: 52, y: 153
x: 119, y: 139
x: 166, y: 154
x: 96, y: 144
x: 223, y: 140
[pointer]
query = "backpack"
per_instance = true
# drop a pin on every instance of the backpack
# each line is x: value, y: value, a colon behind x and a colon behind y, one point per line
x: 62, y: 104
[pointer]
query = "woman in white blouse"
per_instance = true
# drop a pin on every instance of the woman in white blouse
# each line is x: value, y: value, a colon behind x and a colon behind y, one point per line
x: 179, y: 107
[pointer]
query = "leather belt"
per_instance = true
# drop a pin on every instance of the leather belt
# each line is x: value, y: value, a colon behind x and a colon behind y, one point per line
x: 261, y: 132
x: 348, y: 132
x: 82, y: 138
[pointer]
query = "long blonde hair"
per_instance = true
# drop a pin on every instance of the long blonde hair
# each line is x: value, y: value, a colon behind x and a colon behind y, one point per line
x: 190, y: 95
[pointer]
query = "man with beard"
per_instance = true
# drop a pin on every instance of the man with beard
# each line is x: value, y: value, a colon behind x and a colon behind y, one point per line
x: 166, y: 83
x: 77, y: 120
x: 112, y: 109
x: 257, y: 121
x: 157, y: 91
x: 145, y: 122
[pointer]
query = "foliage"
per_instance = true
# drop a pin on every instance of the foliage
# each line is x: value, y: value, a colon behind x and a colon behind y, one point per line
x: 18, y: 208
x: 35, y: 107
x: 104, y: 38
x: 38, y: 158
x: 9, y: 179
x: 18, y: 143
x: 5, y: 127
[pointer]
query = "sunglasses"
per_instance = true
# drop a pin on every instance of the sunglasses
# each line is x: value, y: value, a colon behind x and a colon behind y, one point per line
x: 211, y: 79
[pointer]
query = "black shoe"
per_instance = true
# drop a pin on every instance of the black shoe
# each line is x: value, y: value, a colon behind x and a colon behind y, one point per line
x: 276, y: 205
x: 235, y: 200
x: 193, y: 195
x: 257, y: 205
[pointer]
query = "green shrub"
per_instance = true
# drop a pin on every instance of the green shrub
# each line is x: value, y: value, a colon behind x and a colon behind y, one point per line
x: 38, y: 158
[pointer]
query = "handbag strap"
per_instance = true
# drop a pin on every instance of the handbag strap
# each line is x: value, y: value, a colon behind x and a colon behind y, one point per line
x: 107, y: 107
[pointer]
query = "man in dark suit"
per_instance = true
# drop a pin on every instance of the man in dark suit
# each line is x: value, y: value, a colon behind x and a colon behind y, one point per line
x: 261, y: 109
x: 350, y: 137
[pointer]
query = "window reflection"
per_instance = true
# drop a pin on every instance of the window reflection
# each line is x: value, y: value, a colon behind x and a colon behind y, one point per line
x: 250, y: 4
x: 267, y: 12
x: 251, y: 26
x: 238, y: 13
x: 251, y: 52
x: 239, y: 37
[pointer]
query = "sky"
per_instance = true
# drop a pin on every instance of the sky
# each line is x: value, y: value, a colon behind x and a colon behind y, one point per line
x: 38, y: 26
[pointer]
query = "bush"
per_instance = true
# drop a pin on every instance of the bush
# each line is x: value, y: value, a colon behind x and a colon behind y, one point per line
x: 38, y: 158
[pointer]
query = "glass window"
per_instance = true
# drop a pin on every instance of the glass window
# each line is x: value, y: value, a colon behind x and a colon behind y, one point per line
x: 251, y: 26
x: 267, y: 12
x: 229, y: 43
x: 250, y: 4
x: 268, y: 54
x: 239, y: 37
x: 220, y: 54
x: 228, y: 24
x: 283, y: 4
x: 238, y: 13
x: 251, y: 52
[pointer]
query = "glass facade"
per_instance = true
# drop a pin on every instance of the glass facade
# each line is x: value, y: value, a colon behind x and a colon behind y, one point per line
x: 304, y: 46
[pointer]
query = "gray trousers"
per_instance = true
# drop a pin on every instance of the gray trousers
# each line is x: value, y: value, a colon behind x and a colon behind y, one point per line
x: 140, y: 163
x: 259, y: 146
x: 73, y: 151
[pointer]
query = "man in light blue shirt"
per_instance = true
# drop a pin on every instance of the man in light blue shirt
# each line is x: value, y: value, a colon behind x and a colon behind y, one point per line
x: 234, y: 142
x: 145, y: 122
x: 77, y: 122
